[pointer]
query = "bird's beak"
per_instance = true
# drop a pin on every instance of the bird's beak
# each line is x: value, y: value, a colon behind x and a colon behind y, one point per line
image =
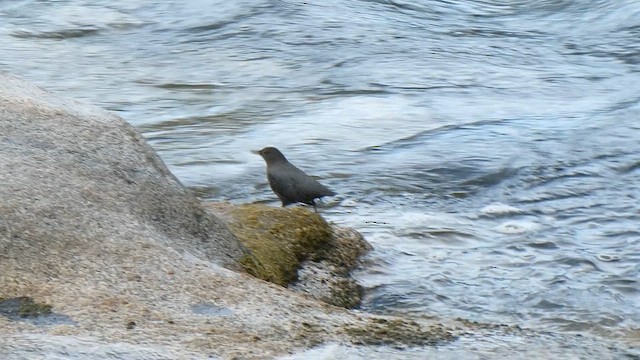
x: 257, y: 152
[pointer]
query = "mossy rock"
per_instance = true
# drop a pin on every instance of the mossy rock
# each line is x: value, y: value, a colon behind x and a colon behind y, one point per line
x: 397, y: 332
x: 278, y: 239
x: 23, y: 307
x: 346, y: 246
x: 29, y: 308
x: 347, y: 295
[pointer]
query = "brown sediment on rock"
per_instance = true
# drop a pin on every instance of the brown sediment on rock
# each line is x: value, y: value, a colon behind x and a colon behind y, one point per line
x: 296, y: 247
x: 470, y: 325
x: 398, y: 332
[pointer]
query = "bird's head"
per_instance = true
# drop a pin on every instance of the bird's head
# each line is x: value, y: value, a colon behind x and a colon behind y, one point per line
x: 270, y: 155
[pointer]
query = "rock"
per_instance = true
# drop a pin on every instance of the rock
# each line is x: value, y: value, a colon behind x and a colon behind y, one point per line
x: 72, y: 172
x: 297, y: 248
x: 95, y: 229
x: 279, y: 239
x: 326, y: 275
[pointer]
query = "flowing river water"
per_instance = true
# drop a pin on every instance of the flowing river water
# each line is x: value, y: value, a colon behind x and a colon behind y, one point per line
x: 489, y: 150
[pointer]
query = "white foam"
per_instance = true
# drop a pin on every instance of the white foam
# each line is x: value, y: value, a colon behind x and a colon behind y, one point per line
x: 373, y: 119
x: 412, y: 220
x: 608, y: 257
x: 348, y: 203
x: 500, y: 209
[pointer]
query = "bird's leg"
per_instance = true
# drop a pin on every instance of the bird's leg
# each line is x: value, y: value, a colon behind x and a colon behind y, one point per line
x: 314, y: 206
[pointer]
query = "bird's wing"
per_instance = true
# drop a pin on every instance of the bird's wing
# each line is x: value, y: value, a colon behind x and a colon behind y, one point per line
x: 293, y: 185
x: 318, y: 191
x: 308, y: 185
x: 283, y: 185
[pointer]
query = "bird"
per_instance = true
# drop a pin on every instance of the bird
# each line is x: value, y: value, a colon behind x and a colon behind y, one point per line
x: 291, y: 184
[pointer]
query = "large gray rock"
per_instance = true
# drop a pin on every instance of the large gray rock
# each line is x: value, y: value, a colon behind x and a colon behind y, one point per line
x: 73, y: 176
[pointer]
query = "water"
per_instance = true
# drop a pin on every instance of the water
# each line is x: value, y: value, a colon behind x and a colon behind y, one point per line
x: 487, y: 149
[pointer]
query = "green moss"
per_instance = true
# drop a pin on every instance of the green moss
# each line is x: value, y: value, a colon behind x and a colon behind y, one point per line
x: 29, y: 308
x: 470, y: 324
x: 311, y: 335
x: 279, y: 239
x: 346, y: 294
x: 397, y: 332
x: 23, y: 307
x: 345, y: 248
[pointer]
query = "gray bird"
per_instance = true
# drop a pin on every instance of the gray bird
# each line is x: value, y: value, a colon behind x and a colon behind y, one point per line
x: 291, y: 184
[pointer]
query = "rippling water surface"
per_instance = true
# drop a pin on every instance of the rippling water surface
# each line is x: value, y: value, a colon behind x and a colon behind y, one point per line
x: 490, y: 150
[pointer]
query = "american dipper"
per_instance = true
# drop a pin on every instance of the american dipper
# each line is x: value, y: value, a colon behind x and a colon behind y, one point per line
x: 291, y: 184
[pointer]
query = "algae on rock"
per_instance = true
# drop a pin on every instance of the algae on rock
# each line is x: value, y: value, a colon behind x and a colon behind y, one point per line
x: 397, y: 332
x: 279, y: 239
x: 298, y: 249
x: 23, y: 307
